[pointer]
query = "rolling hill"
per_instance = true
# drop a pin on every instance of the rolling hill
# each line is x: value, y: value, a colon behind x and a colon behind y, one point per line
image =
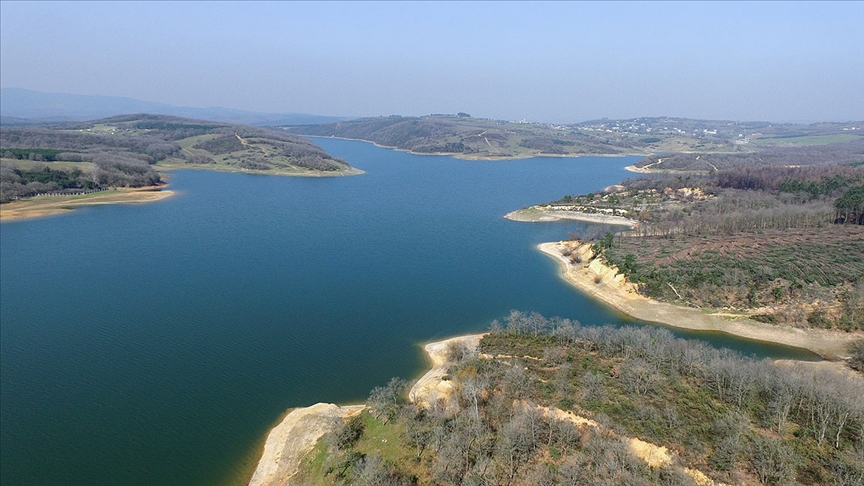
x: 469, y: 137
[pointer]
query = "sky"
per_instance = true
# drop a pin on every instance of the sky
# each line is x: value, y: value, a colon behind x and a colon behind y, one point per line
x: 557, y: 62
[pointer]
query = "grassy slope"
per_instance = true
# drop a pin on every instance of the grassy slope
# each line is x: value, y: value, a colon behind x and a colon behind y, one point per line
x: 265, y: 149
x: 140, y: 139
x: 256, y: 149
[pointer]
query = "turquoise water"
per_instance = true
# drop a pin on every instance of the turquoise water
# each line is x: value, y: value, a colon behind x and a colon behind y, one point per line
x: 158, y: 343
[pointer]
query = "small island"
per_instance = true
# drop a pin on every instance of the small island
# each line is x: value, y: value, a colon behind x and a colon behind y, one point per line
x: 51, y: 169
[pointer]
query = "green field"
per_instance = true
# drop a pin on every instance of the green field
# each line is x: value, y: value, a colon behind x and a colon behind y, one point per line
x: 807, y: 140
x: 29, y: 164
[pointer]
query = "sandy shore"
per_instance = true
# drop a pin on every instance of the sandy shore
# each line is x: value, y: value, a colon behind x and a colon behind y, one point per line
x: 294, y: 437
x: 537, y: 215
x: 47, y: 206
x: 431, y: 389
x: 638, y: 170
x: 613, y: 290
x: 301, y: 429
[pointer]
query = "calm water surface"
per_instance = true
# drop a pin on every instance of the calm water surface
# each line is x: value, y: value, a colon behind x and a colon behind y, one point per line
x: 157, y: 344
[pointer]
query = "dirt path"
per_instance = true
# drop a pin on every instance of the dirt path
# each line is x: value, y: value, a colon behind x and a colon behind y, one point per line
x: 490, y: 146
x: 653, y: 455
x: 604, y: 284
x: 643, y: 170
x: 245, y: 143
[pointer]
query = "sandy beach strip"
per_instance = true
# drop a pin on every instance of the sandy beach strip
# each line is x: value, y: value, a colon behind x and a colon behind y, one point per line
x: 537, y: 215
x: 47, y: 206
x: 604, y: 284
x: 638, y: 170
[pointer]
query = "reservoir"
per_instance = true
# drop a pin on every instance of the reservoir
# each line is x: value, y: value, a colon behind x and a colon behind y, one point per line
x: 159, y: 343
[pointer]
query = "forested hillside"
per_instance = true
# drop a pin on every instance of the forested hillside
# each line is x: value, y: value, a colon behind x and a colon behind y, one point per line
x: 466, y: 136
x: 782, y: 243
x: 126, y: 151
x: 550, y: 402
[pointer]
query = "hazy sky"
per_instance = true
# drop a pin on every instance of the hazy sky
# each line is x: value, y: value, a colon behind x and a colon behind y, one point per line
x: 554, y: 62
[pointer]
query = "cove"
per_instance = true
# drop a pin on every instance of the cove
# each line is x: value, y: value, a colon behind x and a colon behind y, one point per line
x: 158, y: 343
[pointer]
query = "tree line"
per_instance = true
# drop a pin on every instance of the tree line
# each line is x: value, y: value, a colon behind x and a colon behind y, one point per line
x: 108, y: 172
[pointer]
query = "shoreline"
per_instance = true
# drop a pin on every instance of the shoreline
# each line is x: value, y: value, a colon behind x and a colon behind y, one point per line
x: 606, y: 285
x: 462, y: 156
x: 538, y: 215
x: 50, y: 206
x: 351, y: 171
x: 291, y: 440
x: 297, y: 433
x: 431, y: 389
x: 638, y: 170
x: 36, y: 207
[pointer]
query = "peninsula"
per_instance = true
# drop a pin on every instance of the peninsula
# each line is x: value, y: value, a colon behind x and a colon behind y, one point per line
x: 606, y: 284
x: 546, y: 401
x: 48, y: 169
x: 745, y: 244
x: 49, y: 205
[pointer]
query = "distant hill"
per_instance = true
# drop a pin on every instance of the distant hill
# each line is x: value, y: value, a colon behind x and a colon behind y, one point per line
x: 470, y: 137
x: 127, y: 150
x: 23, y: 106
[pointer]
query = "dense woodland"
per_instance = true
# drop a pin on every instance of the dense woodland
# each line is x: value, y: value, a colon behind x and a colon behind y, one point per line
x: 125, y: 151
x: 732, y: 418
